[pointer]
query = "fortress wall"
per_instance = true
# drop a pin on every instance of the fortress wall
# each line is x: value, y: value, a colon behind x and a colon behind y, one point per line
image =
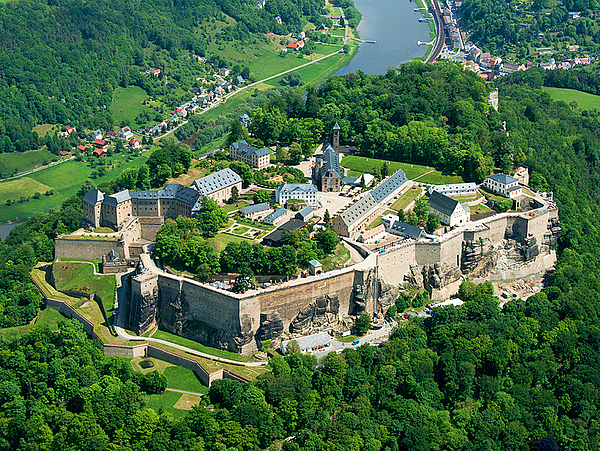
x: 289, y: 301
x: 86, y: 249
x: 475, y: 235
x: 497, y: 229
x: 395, y: 264
x: 150, y: 225
x: 538, y: 225
x: 427, y: 252
x: 217, y: 309
x: 451, y: 249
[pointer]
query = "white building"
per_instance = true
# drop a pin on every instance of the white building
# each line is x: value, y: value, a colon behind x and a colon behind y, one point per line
x: 371, y: 236
x: 256, y: 211
x: 455, y: 189
x: 451, y: 211
x: 301, y: 191
x: 504, y: 185
x: 96, y: 134
x: 125, y: 133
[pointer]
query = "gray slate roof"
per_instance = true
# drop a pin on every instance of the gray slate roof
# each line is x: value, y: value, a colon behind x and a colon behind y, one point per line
x: 276, y: 214
x: 303, y: 214
x: 331, y: 162
x: 503, y: 178
x: 93, y: 196
x: 309, y: 342
x: 115, y: 199
x: 255, y: 208
x: 407, y: 229
x: 300, y: 188
x: 245, y: 148
x: 443, y: 204
x: 216, y: 181
x: 373, y: 197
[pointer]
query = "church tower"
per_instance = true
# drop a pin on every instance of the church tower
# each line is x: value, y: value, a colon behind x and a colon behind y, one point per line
x: 336, y: 138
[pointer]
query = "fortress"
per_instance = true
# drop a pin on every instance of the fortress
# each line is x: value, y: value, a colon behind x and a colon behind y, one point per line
x: 507, y: 245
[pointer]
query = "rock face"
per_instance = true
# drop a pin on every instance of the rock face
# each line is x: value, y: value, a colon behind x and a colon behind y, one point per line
x: 439, y: 275
x: 315, y: 314
x: 478, y: 257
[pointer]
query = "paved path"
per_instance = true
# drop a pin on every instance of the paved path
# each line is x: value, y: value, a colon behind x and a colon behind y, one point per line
x: 184, y: 392
x: 36, y: 169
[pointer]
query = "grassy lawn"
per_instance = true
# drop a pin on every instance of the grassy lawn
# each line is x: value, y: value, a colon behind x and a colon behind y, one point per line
x: 405, y: 199
x: 166, y: 401
x: 437, y: 178
x: 347, y: 339
x: 163, y: 335
x: 375, y: 223
x: 181, y: 378
x: 47, y: 317
x: 95, y: 262
x: 240, y: 230
x: 127, y: 104
x: 480, y: 209
x: 43, y: 129
x: 220, y: 241
x: 80, y: 277
x: 22, y: 161
x: 103, y: 230
x: 233, y: 207
x: 65, y: 179
x: 584, y: 100
x: 339, y: 257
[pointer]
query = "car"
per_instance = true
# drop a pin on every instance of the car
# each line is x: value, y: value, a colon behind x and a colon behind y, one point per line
x: 355, y: 342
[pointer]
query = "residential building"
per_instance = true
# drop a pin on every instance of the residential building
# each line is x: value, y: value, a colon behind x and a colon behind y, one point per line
x: 455, y: 189
x: 254, y: 157
x: 256, y: 211
x: 278, y: 20
x: 301, y: 191
x: 261, y: 4
x: 297, y: 45
x: 223, y: 71
x: 245, y: 120
x: 451, y: 211
x: 355, y: 220
x: 135, y: 143
x: 82, y: 148
x: 111, y: 135
x: 276, y: 217
x: 100, y: 144
x: 99, y: 153
x: 370, y: 236
x: 96, y: 134
x: 125, y: 133
x: 504, y: 185
x: 218, y: 186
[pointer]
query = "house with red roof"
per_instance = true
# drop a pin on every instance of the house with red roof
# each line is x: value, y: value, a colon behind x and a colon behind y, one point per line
x: 100, y: 144
x: 295, y: 45
x: 99, y: 153
x: 111, y: 135
x: 82, y: 148
x: 135, y: 143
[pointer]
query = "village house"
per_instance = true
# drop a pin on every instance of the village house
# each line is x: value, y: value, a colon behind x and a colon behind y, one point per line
x: 96, y: 134
x: 451, y: 211
x: 297, y: 45
x: 125, y: 133
x: 252, y: 156
x: 68, y: 131
x: 278, y: 20
x: 111, y: 135
x: 261, y: 4
x: 223, y: 71
x: 100, y: 144
x: 504, y: 185
x: 82, y: 148
x: 135, y: 143
x: 99, y: 153
x: 245, y: 120
x: 306, y: 192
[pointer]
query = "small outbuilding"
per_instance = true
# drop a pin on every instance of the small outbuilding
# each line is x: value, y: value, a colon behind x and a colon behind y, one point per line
x: 309, y: 343
x: 315, y: 267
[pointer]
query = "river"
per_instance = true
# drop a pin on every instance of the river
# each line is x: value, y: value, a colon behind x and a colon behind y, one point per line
x: 395, y: 26
x: 6, y: 228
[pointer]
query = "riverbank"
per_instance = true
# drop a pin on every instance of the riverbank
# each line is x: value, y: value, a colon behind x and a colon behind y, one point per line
x: 424, y: 6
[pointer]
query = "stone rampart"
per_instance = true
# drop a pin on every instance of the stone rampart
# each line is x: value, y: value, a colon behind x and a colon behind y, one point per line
x: 86, y: 249
x: 150, y: 225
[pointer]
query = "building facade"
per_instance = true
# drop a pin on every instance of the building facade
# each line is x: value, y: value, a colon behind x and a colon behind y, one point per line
x: 455, y: 189
x: 451, y: 211
x: 254, y: 157
x: 301, y: 191
x: 504, y: 185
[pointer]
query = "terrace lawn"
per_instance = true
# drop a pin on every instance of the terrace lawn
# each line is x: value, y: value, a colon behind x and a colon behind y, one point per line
x: 70, y: 276
x: 405, y: 199
x: 163, y: 335
x: 166, y: 401
x: 220, y: 241
x: 585, y: 101
x: 181, y: 378
x: 24, y: 161
x: 339, y: 257
x: 48, y: 317
x: 420, y: 173
x: 236, y: 206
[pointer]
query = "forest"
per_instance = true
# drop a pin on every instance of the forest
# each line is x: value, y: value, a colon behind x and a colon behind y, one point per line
x: 60, y: 62
x: 474, y: 377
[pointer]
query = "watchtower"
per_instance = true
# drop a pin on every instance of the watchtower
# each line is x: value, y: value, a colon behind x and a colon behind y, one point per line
x: 336, y: 138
